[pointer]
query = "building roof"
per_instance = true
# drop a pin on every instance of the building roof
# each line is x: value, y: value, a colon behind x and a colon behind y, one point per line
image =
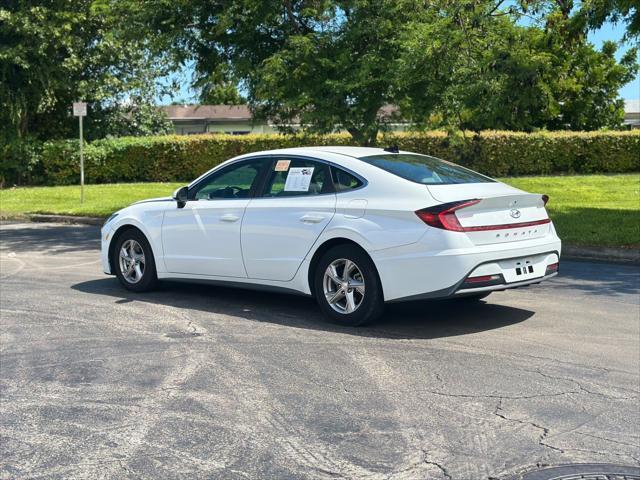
x: 207, y: 112
x: 231, y: 112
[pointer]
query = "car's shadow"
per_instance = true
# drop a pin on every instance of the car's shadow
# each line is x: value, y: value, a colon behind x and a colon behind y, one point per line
x: 433, y: 319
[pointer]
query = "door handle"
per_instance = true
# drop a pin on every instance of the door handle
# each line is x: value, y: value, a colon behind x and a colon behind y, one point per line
x: 229, y: 217
x: 311, y: 219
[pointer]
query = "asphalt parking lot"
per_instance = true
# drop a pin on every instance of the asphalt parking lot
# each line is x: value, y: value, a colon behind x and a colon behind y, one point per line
x: 209, y: 382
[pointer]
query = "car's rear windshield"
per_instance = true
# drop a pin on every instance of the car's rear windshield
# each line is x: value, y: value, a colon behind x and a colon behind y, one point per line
x: 424, y: 169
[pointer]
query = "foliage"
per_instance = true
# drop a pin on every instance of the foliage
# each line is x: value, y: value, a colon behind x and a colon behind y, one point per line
x: 218, y: 89
x: 21, y: 162
x: 57, y: 52
x: 138, y: 118
x: 182, y: 158
x: 334, y: 64
x: 575, y: 18
x: 221, y: 94
x: 525, y: 79
x: 329, y: 64
x: 597, y: 12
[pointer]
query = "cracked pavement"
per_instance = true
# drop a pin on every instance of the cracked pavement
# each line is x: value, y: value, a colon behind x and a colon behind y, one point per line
x: 210, y: 382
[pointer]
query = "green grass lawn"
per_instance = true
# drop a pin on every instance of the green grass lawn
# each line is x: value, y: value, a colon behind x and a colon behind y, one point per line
x: 99, y: 200
x: 590, y: 209
x: 587, y: 210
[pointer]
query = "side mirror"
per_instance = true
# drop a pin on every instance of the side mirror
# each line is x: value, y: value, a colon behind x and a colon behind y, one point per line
x: 181, y: 196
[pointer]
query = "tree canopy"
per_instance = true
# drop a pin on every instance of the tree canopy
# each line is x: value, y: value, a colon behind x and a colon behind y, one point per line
x: 327, y: 64
x: 60, y: 51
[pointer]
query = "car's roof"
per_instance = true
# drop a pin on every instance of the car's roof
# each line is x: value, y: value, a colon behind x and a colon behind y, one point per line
x: 355, y: 152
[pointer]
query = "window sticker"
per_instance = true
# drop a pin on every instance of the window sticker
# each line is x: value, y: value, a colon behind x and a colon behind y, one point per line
x: 298, y: 179
x: 282, y: 165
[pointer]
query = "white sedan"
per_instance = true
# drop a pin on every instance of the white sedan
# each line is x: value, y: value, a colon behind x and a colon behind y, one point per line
x: 353, y: 227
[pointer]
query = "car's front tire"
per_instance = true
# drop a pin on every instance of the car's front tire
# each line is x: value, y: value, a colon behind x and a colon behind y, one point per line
x: 347, y: 286
x: 133, y: 261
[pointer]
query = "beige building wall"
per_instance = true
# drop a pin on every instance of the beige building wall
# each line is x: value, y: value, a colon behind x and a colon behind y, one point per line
x: 242, y: 128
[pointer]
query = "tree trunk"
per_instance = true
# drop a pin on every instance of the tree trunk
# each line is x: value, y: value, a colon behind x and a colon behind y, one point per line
x: 365, y: 136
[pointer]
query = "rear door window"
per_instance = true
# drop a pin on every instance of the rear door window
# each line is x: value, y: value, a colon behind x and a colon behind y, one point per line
x: 425, y: 170
x: 297, y: 177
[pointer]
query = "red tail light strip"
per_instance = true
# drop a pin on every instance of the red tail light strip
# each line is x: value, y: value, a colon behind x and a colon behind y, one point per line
x: 506, y: 225
x: 444, y: 217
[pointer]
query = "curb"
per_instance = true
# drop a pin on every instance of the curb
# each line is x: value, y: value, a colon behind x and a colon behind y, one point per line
x: 68, y: 219
x: 602, y: 254
x: 569, y: 252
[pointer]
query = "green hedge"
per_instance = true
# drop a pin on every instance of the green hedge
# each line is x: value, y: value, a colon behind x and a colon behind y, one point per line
x: 182, y: 158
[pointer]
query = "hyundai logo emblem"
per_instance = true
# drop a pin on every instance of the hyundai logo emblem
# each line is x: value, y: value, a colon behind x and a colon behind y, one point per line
x: 515, y: 213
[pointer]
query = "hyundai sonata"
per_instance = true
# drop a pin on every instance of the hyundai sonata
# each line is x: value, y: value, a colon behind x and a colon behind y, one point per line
x: 353, y: 227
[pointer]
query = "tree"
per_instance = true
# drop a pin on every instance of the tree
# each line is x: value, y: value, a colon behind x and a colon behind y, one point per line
x: 56, y: 52
x: 218, y: 88
x: 508, y: 76
x: 577, y: 18
x: 221, y: 94
x: 334, y: 64
x: 137, y: 118
x: 325, y: 64
x: 597, y: 12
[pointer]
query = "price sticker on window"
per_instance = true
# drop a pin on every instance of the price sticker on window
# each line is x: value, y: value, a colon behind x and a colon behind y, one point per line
x: 282, y: 165
x: 298, y: 179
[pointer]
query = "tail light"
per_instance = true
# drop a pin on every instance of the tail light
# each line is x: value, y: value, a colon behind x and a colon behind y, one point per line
x: 444, y: 216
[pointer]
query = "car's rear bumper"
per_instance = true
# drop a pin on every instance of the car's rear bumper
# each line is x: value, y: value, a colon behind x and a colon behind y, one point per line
x: 461, y: 292
x: 414, y: 272
x: 462, y: 289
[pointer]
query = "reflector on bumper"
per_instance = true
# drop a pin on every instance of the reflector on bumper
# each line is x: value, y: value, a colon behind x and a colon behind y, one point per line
x: 552, y: 268
x: 483, y: 281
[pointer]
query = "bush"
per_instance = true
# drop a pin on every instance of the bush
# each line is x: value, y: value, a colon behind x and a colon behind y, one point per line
x: 20, y: 162
x: 182, y: 158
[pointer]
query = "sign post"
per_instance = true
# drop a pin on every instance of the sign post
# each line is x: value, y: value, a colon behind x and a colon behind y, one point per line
x: 80, y: 110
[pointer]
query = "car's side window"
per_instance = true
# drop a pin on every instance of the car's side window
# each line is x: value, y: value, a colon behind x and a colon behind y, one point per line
x: 234, y: 181
x: 297, y: 177
x: 344, y: 181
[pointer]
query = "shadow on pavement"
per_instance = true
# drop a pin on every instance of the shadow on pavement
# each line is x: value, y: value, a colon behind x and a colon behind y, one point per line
x: 408, y: 320
x: 54, y: 239
x: 594, y: 278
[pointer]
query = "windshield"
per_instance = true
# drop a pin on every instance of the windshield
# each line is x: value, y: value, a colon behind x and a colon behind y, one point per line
x: 424, y: 169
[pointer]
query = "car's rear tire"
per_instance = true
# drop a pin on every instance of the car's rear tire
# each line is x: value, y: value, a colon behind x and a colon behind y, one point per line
x: 133, y: 261
x: 347, y: 286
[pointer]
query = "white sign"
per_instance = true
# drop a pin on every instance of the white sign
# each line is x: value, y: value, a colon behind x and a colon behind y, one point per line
x: 79, y: 109
x: 298, y: 179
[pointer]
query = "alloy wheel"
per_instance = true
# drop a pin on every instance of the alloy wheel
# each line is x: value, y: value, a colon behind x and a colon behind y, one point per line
x: 343, y: 286
x: 132, y: 261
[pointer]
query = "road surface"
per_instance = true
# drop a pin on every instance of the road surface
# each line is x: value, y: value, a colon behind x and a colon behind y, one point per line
x: 211, y: 382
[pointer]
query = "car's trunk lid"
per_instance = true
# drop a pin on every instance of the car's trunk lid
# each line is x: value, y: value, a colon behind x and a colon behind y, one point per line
x: 503, y: 213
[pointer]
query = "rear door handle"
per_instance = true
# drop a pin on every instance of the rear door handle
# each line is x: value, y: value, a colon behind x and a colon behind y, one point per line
x: 229, y: 217
x: 311, y: 219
